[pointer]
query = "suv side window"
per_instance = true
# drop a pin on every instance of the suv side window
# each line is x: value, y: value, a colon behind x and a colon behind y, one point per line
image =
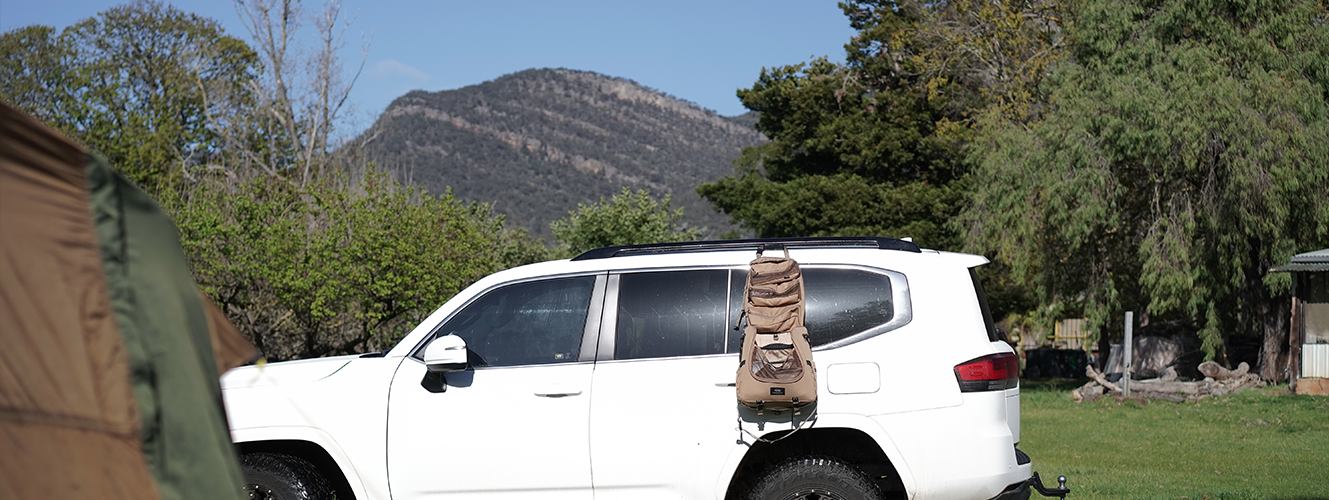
x: 671, y: 313
x: 532, y: 323
x: 840, y: 302
x: 843, y: 302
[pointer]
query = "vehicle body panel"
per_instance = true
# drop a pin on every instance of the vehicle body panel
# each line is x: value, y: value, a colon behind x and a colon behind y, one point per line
x: 344, y: 412
x: 666, y: 427
x: 470, y: 441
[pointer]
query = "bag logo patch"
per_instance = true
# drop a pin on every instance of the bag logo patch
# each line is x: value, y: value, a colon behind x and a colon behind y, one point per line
x: 777, y: 391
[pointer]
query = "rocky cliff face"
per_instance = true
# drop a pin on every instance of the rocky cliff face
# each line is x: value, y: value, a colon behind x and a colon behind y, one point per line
x: 538, y: 142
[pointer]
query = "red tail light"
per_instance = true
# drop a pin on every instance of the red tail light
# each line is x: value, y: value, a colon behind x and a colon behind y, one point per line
x: 993, y: 372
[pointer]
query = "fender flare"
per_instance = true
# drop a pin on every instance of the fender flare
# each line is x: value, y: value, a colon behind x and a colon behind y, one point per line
x: 311, y: 435
x: 825, y: 421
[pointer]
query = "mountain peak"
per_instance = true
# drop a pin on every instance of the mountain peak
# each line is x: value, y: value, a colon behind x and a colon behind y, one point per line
x: 538, y: 142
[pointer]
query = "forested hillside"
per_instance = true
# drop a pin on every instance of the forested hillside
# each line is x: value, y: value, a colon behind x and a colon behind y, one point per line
x: 538, y: 142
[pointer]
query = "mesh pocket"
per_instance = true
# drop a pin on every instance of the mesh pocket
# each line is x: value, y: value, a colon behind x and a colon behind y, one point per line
x: 776, y: 365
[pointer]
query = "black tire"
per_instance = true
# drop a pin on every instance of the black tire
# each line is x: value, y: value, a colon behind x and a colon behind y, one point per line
x: 814, y: 478
x: 274, y: 476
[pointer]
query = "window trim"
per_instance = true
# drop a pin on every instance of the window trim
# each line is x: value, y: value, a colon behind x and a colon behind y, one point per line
x: 590, y: 331
x: 608, y: 322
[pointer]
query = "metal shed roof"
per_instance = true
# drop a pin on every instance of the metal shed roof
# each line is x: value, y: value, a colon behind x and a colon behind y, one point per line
x: 1310, y: 261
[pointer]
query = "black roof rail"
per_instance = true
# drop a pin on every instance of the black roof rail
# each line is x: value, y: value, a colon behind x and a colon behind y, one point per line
x: 754, y: 244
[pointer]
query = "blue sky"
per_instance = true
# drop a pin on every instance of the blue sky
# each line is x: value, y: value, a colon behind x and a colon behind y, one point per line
x: 701, y: 51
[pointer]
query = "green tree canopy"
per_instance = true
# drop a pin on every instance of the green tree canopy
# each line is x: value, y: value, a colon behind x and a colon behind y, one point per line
x: 1185, y: 151
x: 138, y: 83
x: 308, y: 249
x: 862, y: 147
x: 630, y: 217
x: 338, y: 266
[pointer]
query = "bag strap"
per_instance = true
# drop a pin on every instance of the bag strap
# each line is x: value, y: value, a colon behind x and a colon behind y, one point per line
x: 797, y: 426
x: 747, y: 289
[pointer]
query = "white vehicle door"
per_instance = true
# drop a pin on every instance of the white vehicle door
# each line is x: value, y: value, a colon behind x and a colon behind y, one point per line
x: 664, y: 415
x: 514, y: 424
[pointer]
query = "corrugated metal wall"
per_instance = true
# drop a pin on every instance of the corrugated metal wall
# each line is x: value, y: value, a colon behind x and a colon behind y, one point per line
x: 1071, y: 334
x: 1315, y: 360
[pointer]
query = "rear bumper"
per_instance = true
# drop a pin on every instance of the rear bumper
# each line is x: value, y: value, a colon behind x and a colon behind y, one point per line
x: 977, y: 430
x: 1017, y: 491
x: 1023, y: 489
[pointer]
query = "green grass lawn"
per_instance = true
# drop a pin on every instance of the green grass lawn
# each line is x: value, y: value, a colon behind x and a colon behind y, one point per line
x: 1257, y: 444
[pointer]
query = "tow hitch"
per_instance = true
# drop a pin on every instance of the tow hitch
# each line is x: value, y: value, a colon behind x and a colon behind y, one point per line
x: 1060, y: 491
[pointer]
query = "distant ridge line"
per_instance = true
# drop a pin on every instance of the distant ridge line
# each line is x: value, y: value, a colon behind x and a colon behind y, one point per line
x: 512, y: 139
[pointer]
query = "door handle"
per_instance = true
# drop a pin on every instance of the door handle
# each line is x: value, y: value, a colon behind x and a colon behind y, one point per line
x: 557, y: 392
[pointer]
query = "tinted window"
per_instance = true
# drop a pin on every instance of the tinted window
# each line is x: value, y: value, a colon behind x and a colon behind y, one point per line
x: 843, y: 302
x: 671, y: 313
x: 991, y: 326
x: 737, y: 279
x: 531, y: 323
x: 840, y: 302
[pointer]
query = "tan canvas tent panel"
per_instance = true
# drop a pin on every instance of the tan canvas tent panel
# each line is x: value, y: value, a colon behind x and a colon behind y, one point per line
x: 101, y: 324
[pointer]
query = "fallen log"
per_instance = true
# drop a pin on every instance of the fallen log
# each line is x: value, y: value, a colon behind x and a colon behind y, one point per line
x: 1098, y: 377
x: 1090, y: 391
x: 1171, y: 386
x: 1217, y: 372
x: 1168, y: 388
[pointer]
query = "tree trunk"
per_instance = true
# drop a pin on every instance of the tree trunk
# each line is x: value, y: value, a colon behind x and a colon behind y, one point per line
x: 1274, y: 313
x: 1104, y: 347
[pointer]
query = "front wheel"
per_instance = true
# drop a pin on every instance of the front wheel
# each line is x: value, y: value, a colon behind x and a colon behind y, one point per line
x: 274, y: 476
x: 814, y: 478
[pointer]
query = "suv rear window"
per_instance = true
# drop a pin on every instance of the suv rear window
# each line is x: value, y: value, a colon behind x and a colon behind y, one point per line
x: 840, y: 303
x: 692, y: 312
x: 843, y: 302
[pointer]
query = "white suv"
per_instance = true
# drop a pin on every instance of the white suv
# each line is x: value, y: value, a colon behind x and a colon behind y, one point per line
x: 611, y: 375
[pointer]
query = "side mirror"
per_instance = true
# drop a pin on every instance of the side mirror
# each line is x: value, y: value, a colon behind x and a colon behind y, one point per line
x: 446, y: 354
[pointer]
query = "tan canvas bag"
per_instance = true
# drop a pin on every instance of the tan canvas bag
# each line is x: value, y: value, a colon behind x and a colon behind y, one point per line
x: 775, y: 369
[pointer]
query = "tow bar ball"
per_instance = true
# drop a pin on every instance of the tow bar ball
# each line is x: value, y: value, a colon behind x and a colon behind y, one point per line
x: 1060, y: 491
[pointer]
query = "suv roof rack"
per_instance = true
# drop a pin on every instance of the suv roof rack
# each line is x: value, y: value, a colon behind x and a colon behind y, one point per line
x: 756, y: 243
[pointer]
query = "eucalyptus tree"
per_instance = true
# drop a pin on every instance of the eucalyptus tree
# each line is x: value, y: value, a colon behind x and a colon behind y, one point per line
x: 1184, y: 151
x: 139, y: 83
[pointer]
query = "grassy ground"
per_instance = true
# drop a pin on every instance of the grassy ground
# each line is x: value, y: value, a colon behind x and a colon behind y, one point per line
x: 1258, y: 444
